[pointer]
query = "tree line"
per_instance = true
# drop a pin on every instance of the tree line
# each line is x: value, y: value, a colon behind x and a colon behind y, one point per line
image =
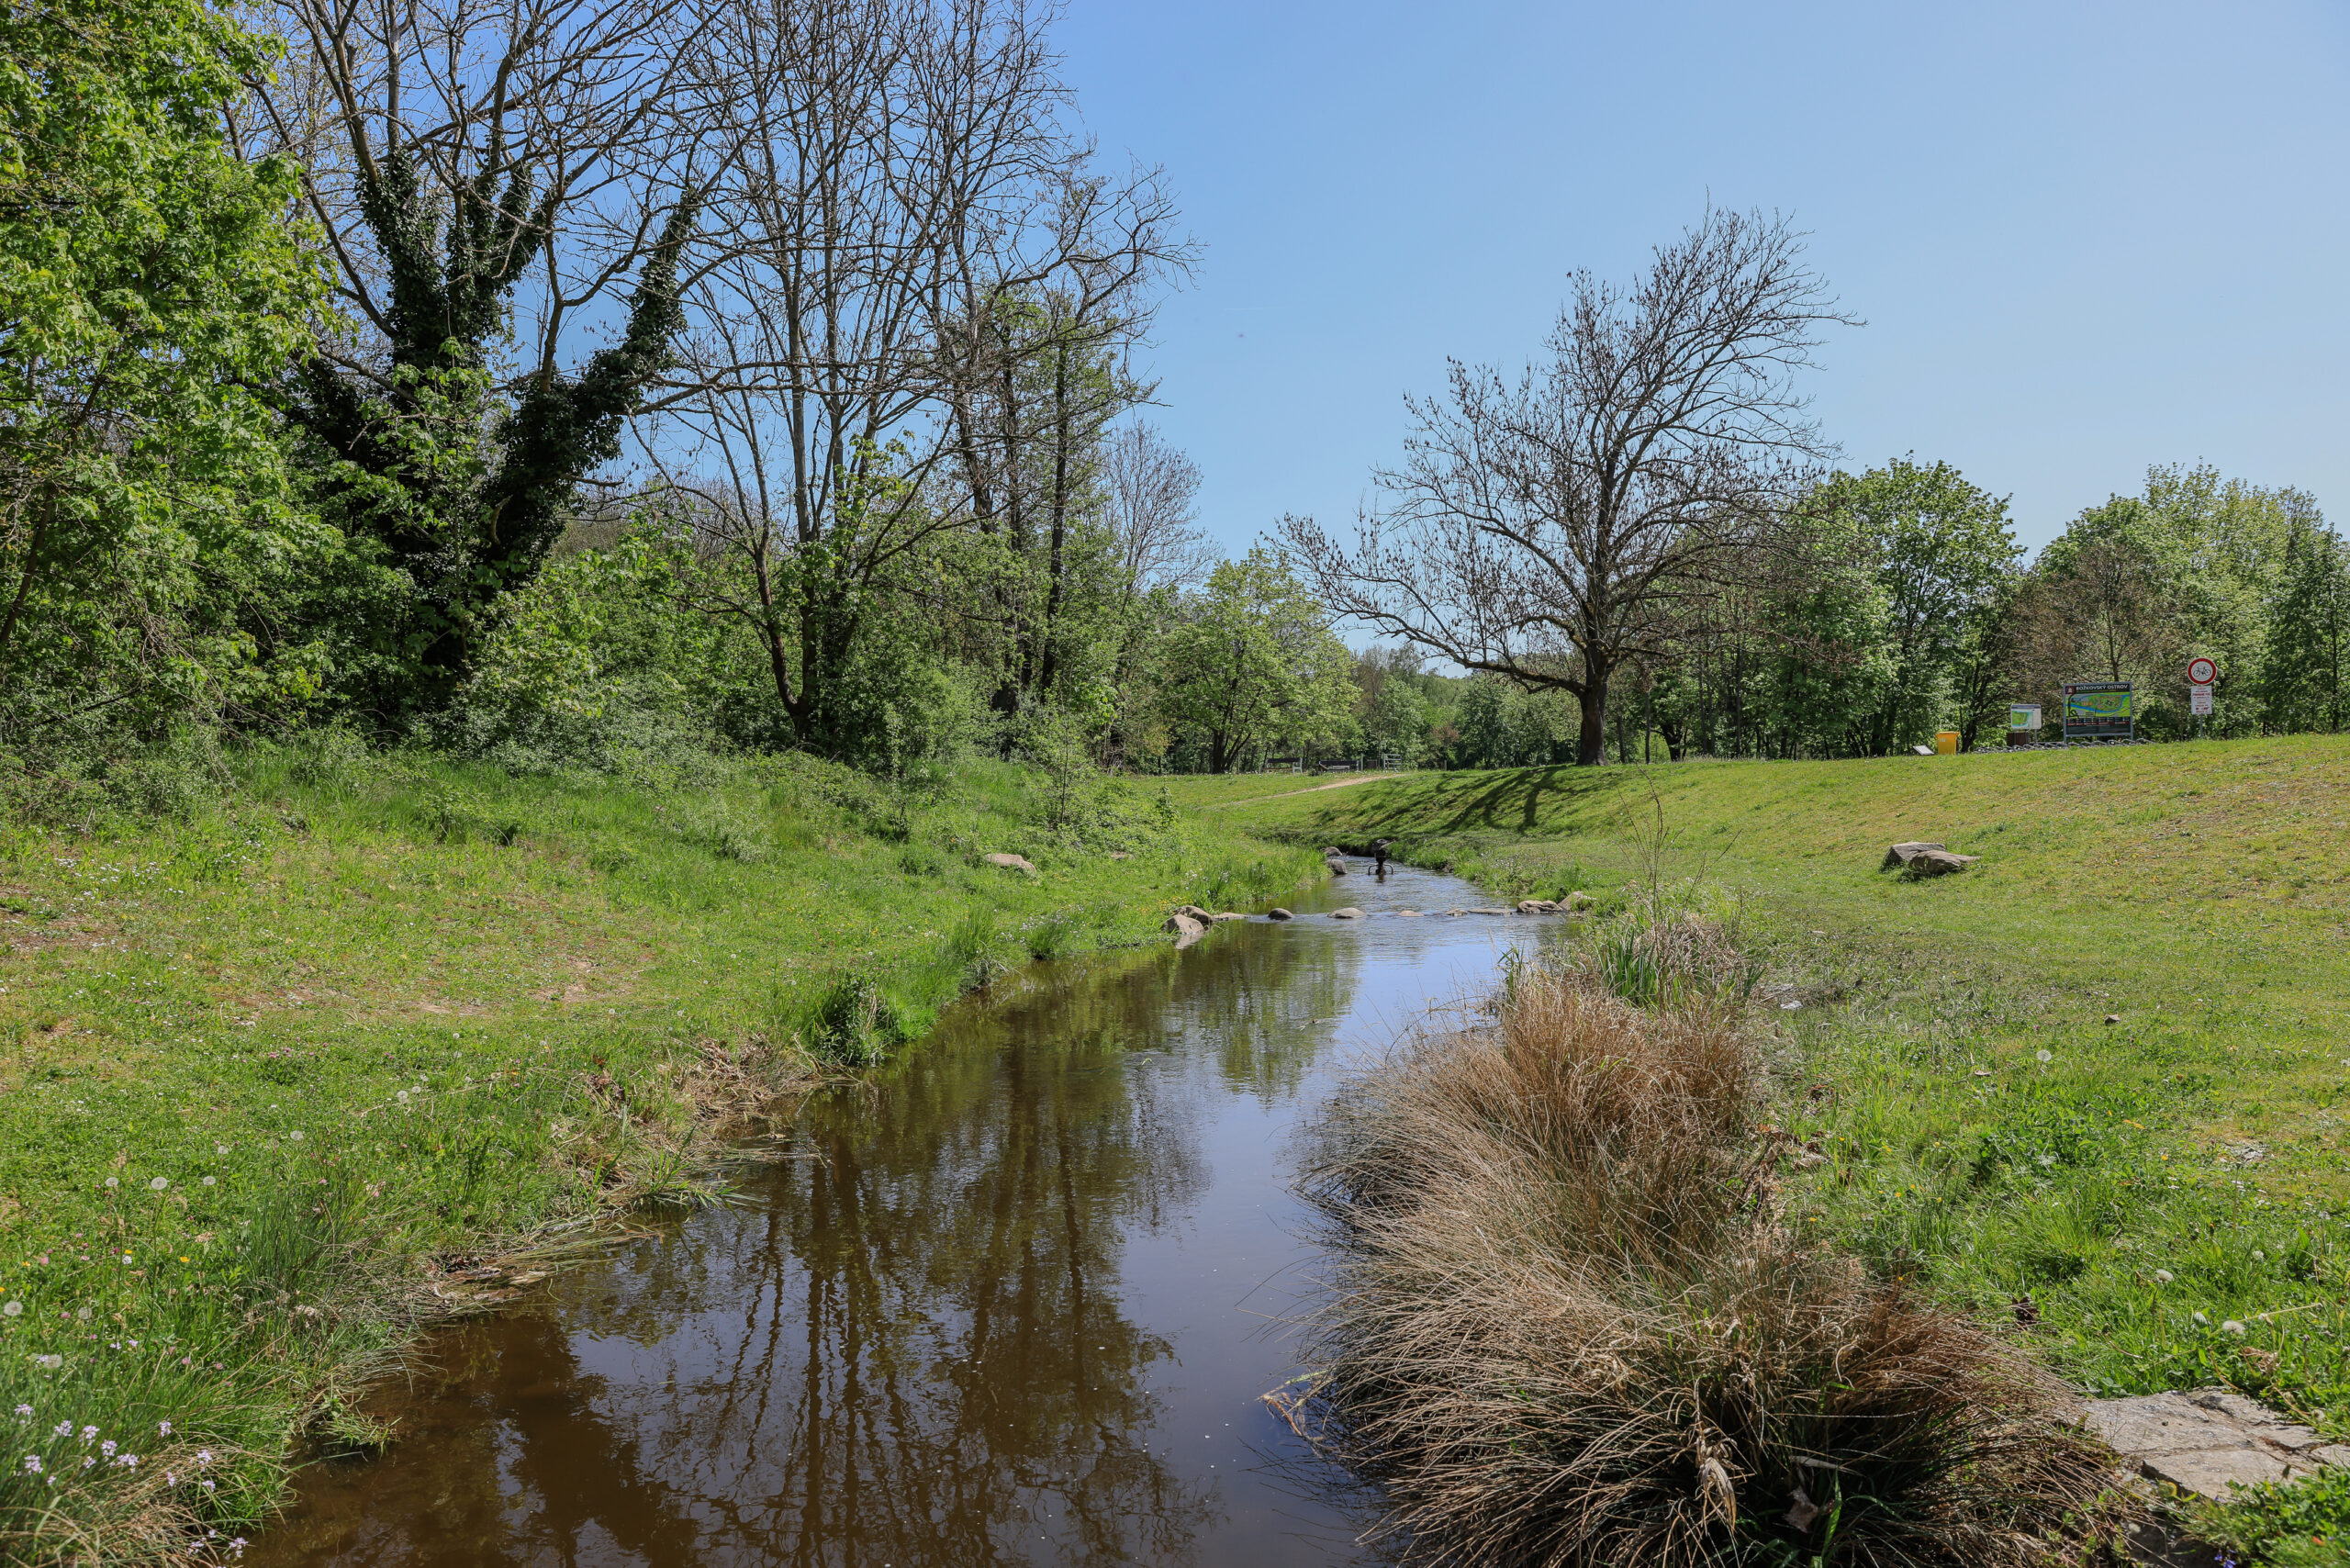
x: 1643, y: 528
x: 554, y: 381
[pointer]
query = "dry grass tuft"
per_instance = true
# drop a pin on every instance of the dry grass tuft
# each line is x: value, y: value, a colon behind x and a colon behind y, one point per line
x: 1561, y: 1329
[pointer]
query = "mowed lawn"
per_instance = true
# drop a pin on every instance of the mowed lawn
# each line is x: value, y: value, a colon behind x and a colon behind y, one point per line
x: 2154, y: 1201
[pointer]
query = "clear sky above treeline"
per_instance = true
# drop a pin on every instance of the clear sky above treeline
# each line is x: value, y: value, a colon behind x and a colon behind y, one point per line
x: 2085, y: 238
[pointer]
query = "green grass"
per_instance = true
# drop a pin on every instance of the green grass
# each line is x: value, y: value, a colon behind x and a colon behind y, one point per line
x: 2134, y: 1191
x: 271, y: 1076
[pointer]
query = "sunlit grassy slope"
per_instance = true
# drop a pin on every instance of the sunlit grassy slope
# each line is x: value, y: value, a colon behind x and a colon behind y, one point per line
x: 2186, y: 1157
x: 269, y: 1075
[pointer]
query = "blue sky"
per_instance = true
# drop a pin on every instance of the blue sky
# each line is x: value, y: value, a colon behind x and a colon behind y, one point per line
x: 2085, y: 238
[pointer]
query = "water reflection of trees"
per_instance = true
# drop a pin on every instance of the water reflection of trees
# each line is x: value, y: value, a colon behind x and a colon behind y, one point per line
x: 912, y: 1349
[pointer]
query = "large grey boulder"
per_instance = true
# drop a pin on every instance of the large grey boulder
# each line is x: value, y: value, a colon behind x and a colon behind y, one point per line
x: 1919, y: 859
x: 2204, y: 1440
x: 1538, y: 906
x: 1279, y: 914
x: 1338, y: 867
x: 1196, y: 913
x: 1187, y: 930
x: 1345, y: 915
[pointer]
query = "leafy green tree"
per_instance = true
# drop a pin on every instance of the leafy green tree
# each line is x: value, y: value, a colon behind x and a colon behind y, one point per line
x: 1398, y: 721
x: 149, y: 283
x: 1253, y: 660
x: 1937, y: 548
x: 2300, y: 672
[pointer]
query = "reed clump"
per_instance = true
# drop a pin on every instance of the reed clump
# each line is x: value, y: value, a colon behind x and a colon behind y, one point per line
x: 1564, y: 1326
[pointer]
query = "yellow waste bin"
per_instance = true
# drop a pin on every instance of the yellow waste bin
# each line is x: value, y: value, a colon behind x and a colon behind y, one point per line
x: 1946, y: 743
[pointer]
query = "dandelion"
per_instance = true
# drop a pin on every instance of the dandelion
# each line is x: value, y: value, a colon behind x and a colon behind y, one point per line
x: 2259, y: 1256
x: 2201, y: 1318
x: 157, y: 1184
x: 2164, y: 1276
x: 220, y: 1148
x: 126, y: 1256
x: 2047, y: 1159
x: 296, y: 1136
x: 2046, y: 1054
x: 2232, y: 1327
x: 401, y: 1096
x: 114, y: 1182
x: 14, y: 1309
x: 210, y: 1181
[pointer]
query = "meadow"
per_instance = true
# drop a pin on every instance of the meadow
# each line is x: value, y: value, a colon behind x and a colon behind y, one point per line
x: 2090, y: 1087
x: 366, y: 1041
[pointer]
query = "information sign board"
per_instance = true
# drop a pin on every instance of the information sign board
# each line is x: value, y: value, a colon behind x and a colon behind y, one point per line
x: 2198, y: 702
x: 2023, y: 715
x: 2098, y: 710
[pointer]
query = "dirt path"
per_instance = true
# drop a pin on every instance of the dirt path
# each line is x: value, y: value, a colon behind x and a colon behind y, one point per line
x: 1286, y: 794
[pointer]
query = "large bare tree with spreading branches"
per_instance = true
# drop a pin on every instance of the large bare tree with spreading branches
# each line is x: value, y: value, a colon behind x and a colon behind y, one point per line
x: 911, y: 251
x: 1547, y: 529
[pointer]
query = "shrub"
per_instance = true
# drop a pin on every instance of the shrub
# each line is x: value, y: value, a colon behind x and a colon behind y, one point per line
x: 1669, y: 947
x: 855, y: 1025
x: 1560, y: 1328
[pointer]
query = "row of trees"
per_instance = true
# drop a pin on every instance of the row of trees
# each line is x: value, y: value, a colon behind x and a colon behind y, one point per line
x: 1646, y: 523
x: 561, y: 378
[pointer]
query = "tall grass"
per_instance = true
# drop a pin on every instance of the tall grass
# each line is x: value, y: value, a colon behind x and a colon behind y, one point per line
x: 1563, y: 1325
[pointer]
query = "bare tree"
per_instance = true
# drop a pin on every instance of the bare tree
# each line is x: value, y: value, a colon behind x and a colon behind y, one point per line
x: 529, y: 140
x: 901, y: 174
x: 1542, y: 530
x: 1151, y: 491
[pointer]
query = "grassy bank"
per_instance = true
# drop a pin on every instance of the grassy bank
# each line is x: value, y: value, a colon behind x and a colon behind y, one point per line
x: 283, y: 1077
x: 2090, y: 1088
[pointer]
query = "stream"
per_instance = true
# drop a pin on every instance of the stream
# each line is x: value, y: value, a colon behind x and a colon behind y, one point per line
x: 1015, y: 1302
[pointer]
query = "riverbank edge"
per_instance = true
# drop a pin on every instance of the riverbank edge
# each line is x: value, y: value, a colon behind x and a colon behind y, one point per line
x: 1823, y: 977
x: 661, y: 1129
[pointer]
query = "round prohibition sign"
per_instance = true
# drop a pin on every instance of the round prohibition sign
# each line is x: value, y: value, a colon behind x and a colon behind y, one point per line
x: 2201, y: 672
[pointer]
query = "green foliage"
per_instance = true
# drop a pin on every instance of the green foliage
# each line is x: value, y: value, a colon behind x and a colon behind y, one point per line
x: 855, y: 1025
x: 2300, y: 1523
x: 455, y: 490
x: 150, y: 284
x: 2300, y: 671
x: 1937, y: 549
x: 1253, y: 661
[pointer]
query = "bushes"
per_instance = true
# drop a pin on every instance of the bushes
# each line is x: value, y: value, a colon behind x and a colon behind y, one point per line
x: 1564, y: 1326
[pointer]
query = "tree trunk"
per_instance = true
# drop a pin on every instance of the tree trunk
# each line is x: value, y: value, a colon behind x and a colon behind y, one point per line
x: 1591, y: 743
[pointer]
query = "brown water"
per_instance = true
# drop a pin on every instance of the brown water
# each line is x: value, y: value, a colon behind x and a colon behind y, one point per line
x: 1015, y: 1304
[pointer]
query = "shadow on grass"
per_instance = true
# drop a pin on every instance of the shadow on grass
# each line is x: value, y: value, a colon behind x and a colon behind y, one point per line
x: 1523, y: 800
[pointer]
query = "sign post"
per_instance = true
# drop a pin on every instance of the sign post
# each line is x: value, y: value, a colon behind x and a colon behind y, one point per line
x: 2098, y: 710
x: 2201, y: 676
